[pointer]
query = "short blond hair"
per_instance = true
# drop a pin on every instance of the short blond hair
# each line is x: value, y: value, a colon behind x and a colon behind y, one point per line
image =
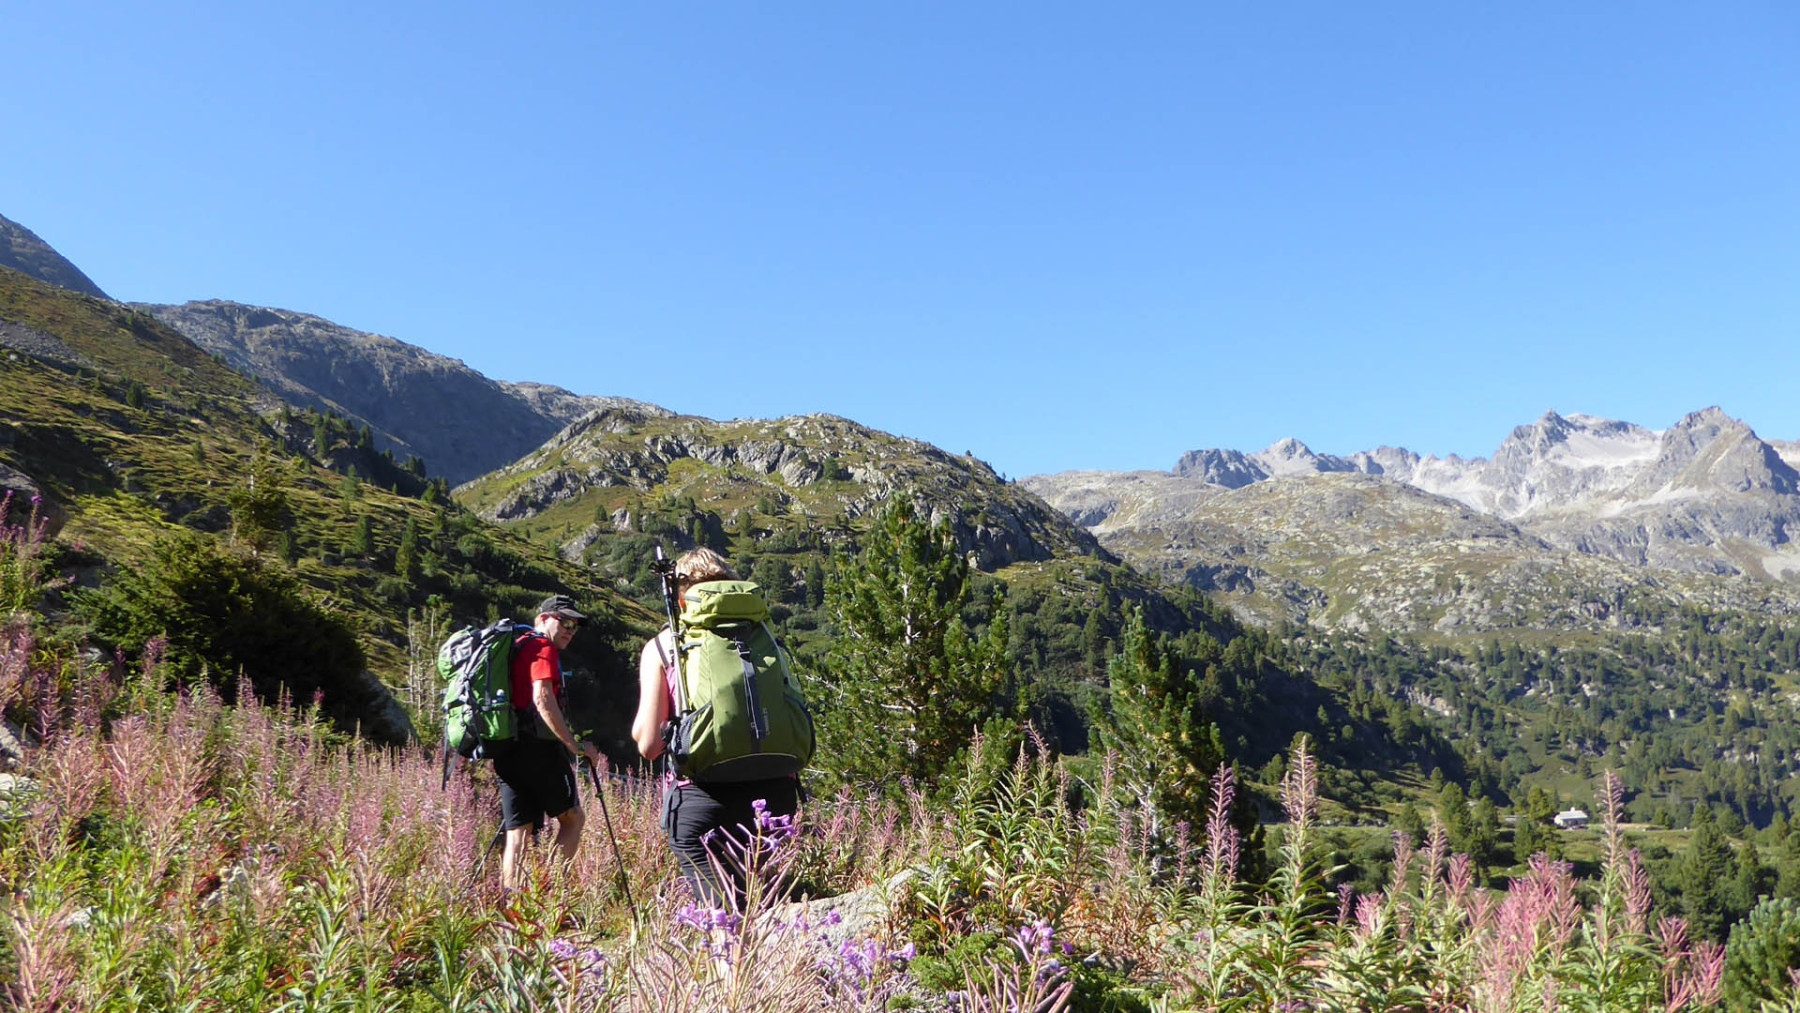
x: 697, y: 566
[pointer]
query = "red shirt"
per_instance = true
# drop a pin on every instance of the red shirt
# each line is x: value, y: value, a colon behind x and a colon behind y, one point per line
x: 535, y: 659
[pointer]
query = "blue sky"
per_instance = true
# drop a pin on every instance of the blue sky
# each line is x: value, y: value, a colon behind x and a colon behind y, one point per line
x: 1057, y: 235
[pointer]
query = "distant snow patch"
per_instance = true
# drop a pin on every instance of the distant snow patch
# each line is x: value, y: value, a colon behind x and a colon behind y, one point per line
x: 1783, y: 564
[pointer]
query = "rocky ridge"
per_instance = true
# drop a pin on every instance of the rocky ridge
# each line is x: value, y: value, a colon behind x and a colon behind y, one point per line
x: 461, y: 423
x: 22, y: 251
x: 1568, y: 522
x: 821, y: 469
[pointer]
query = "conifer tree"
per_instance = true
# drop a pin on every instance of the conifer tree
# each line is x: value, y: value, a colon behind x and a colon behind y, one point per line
x: 907, y: 684
x: 1168, y: 746
x: 259, y: 504
x: 406, y: 556
x: 362, y: 538
x: 1705, y: 870
x: 321, y: 436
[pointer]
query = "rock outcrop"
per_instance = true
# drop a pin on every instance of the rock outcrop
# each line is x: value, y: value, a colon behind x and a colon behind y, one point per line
x: 415, y: 402
x: 1570, y: 518
x: 818, y: 467
x: 21, y: 250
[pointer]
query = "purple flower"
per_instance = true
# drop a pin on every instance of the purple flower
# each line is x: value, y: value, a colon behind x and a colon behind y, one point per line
x: 589, y: 958
x: 1037, y: 937
x: 708, y: 919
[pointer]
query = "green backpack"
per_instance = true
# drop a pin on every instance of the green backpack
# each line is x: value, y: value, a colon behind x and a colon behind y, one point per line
x: 479, y: 719
x: 739, y: 712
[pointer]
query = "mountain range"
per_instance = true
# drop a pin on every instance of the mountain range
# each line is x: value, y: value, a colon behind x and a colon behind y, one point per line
x: 1569, y: 513
x: 1568, y: 520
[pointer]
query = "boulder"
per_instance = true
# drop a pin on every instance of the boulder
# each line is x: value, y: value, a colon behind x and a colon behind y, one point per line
x: 27, y: 493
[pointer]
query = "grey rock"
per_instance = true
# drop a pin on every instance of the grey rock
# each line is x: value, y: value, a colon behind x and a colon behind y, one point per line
x: 1789, y: 451
x: 41, y: 346
x: 859, y: 914
x: 415, y: 402
x: 381, y: 714
x: 21, y: 250
x: 24, y: 490
x: 16, y: 794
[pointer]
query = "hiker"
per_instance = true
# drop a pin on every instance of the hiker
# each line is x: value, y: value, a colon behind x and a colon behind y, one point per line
x: 692, y: 809
x: 537, y: 778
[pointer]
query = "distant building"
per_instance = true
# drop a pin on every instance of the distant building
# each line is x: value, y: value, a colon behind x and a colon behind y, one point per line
x: 1571, y: 819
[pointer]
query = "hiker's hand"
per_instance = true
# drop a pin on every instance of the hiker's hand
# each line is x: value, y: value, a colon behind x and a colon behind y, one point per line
x: 592, y: 752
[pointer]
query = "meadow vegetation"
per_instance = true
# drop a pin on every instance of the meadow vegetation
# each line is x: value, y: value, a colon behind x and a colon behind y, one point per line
x: 163, y: 849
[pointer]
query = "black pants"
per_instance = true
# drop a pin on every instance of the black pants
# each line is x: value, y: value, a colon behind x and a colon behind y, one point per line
x: 692, y: 811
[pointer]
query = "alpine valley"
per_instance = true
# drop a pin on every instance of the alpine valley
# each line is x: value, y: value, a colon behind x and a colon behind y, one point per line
x: 1595, y: 594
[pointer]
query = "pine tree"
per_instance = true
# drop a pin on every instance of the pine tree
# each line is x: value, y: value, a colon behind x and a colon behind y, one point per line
x: 1167, y: 745
x: 1407, y: 821
x: 1705, y: 869
x: 907, y: 684
x: 1484, y: 834
x: 406, y: 556
x: 321, y: 436
x: 1453, y: 811
x: 1093, y: 641
x: 362, y: 538
x: 259, y: 506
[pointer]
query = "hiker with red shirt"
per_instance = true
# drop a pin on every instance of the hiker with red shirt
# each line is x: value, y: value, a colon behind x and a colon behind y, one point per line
x: 537, y: 776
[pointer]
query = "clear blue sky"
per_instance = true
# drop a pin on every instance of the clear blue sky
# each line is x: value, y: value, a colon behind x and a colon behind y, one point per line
x: 1058, y: 235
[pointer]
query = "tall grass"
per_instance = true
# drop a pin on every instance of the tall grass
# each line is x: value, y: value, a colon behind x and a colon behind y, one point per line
x: 170, y: 852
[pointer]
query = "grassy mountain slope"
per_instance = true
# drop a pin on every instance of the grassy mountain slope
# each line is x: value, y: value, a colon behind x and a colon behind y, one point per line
x: 819, y: 471
x: 130, y: 431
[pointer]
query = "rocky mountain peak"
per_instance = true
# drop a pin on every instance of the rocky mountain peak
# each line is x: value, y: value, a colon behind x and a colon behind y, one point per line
x: 21, y: 250
x: 1706, y: 494
x: 1708, y: 451
x: 415, y: 402
x: 1289, y: 449
x: 1228, y: 468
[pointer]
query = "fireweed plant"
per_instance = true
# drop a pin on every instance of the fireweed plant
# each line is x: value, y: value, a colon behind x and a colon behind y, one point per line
x: 165, y: 851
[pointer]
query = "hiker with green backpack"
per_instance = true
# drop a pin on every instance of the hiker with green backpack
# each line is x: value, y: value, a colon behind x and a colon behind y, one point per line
x: 505, y: 703
x: 719, y: 704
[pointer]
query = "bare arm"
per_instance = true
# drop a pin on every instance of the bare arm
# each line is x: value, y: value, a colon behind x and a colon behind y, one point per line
x: 653, y: 703
x: 544, y: 696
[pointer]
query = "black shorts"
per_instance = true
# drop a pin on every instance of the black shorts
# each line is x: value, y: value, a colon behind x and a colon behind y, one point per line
x: 537, y: 781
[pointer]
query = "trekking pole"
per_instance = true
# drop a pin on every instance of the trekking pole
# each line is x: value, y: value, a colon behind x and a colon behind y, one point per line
x: 619, y: 859
x: 665, y: 568
x: 499, y: 836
